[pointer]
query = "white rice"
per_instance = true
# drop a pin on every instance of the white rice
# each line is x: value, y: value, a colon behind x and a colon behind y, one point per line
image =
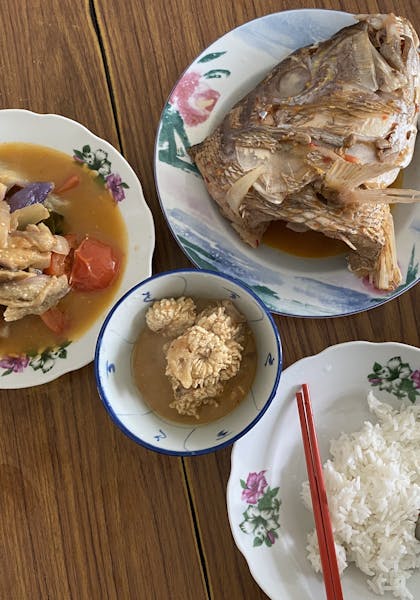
x: 373, y: 489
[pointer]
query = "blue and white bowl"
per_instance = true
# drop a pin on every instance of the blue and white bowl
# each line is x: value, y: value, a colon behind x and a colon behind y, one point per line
x: 123, y: 400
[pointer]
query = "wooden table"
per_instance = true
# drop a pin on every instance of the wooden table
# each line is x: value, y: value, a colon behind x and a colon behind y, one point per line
x: 85, y: 513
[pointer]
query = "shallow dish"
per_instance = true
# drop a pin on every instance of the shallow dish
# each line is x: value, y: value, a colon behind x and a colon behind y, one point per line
x: 63, y: 134
x: 270, y: 461
x: 219, y: 77
x: 123, y: 400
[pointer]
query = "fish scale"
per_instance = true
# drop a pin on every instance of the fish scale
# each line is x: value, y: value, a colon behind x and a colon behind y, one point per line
x: 319, y: 139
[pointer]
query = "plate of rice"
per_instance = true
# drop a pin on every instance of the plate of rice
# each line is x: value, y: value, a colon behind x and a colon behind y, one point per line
x: 366, y: 405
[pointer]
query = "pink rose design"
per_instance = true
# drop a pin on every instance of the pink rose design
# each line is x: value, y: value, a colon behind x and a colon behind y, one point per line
x: 415, y: 376
x: 115, y: 186
x: 14, y: 363
x: 194, y: 99
x: 255, y: 486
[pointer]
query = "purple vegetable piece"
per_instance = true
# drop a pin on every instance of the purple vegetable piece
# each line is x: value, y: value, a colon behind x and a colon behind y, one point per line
x: 30, y: 194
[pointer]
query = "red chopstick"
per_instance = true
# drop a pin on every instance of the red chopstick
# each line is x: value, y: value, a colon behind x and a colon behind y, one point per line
x: 319, y: 498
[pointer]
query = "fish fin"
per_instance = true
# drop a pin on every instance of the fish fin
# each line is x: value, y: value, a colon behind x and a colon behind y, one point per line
x: 387, y: 275
x: 380, y: 196
x: 347, y: 175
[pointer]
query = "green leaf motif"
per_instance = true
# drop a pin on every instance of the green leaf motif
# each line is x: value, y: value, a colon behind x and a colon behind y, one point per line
x: 216, y: 74
x: 395, y: 377
x: 266, y: 502
x: 412, y: 395
x: 211, y: 56
x: 78, y: 154
x: 261, y: 519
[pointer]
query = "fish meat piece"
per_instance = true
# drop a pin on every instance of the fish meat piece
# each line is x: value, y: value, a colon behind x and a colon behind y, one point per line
x: 7, y: 275
x: 31, y: 248
x: 318, y: 141
x: 24, y: 258
x: 32, y: 296
x: 40, y: 238
x: 4, y: 223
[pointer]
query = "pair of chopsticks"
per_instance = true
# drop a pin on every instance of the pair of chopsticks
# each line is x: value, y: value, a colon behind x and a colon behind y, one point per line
x: 319, y: 497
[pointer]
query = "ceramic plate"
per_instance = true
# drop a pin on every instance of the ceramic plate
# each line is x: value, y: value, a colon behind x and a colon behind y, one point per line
x: 218, y: 78
x: 68, y: 136
x: 268, y: 463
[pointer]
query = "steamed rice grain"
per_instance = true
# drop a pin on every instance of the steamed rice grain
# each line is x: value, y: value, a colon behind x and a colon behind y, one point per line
x: 373, y: 488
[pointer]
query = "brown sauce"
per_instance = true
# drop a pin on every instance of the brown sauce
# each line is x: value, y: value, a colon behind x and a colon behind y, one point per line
x: 91, y: 211
x: 308, y: 244
x: 148, y: 368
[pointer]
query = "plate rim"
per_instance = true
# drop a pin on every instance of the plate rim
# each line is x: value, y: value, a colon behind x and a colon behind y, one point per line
x: 63, y: 368
x: 341, y: 346
x: 376, y: 303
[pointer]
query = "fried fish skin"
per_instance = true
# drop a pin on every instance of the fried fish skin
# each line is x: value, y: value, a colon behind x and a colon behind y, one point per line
x: 318, y: 141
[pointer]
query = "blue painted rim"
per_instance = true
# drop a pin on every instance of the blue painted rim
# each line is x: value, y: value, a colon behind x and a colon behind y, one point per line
x: 108, y: 405
x: 363, y: 308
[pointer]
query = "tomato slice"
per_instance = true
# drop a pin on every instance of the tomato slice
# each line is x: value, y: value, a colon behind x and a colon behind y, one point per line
x: 55, y: 320
x: 94, y: 266
x: 57, y: 264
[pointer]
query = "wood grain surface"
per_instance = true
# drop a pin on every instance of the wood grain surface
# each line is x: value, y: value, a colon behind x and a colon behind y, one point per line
x: 84, y: 512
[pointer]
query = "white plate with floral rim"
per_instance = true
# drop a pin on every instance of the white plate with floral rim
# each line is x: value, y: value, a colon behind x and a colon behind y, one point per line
x: 268, y: 519
x: 220, y: 76
x: 112, y: 171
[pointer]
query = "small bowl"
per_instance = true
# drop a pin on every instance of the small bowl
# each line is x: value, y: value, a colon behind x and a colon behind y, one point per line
x: 123, y: 400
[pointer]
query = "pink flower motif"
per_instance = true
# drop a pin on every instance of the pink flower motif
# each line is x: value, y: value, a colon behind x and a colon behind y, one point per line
x: 255, y: 486
x: 415, y: 376
x: 115, y: 186
x: 194, y: 99
x: 14, y: 363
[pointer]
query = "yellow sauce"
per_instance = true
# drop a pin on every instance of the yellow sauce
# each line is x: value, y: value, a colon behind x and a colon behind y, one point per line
x: 90, y: 211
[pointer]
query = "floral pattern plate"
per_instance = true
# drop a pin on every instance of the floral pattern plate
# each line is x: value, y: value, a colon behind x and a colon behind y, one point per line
x: 268, y: 519
x: 112, y: 171
x: 219, y: 77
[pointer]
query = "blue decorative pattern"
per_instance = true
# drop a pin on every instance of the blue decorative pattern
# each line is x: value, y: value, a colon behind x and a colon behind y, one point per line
x: 147, y: 297
x: 160, y: 436
x: 288, y: 285
x: 269, y: 360
x: 221, y: 434
x: 110, y: 368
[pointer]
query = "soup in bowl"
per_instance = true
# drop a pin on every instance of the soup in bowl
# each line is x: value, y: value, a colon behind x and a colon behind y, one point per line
x: 188, y: 361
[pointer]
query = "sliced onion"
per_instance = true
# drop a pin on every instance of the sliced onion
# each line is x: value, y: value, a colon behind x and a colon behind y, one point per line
x: 61, y: 245
x: 241, y: 187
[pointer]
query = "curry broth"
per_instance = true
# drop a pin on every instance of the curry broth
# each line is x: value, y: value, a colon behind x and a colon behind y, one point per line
x: 148, y: 369
x: 91, y: 211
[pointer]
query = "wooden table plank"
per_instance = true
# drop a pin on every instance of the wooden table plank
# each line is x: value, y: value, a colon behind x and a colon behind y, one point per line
x: 85, y: 512
x: 160, y: 40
